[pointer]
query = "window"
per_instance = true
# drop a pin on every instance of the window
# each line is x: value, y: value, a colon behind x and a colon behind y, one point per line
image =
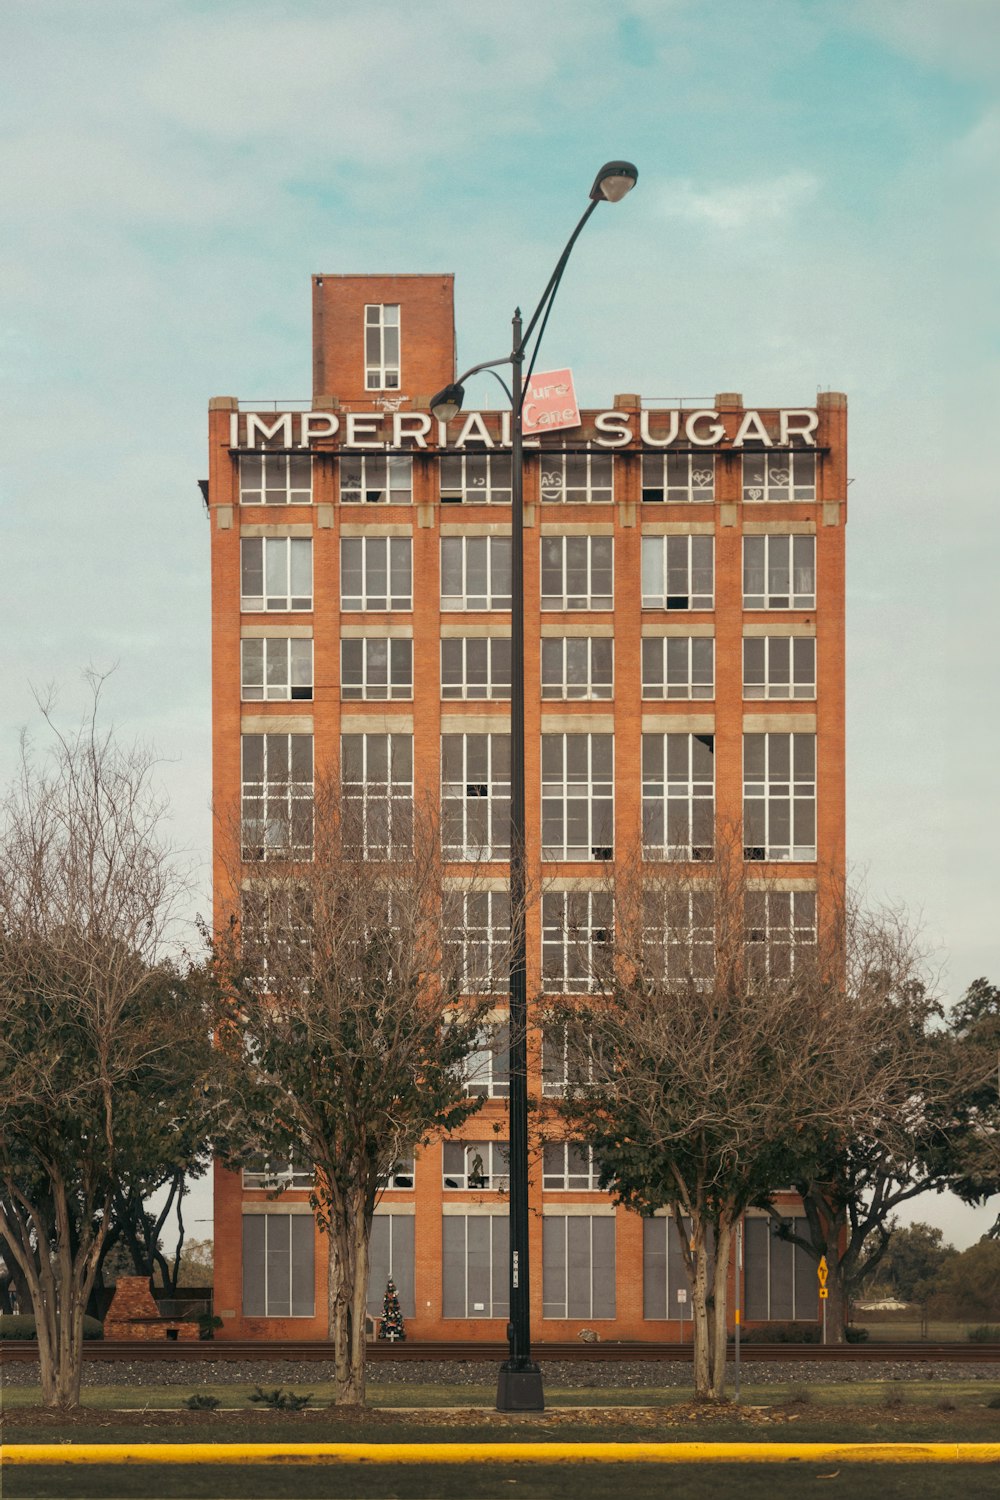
x: 779, y: 796
x: 474, y: 666
x: 278, y: 1271
x: 578, y: 1266
x: 678, y: 572
x: 275, y: 572
x: 569, y: 1167
x: 678, y: 796
x: 673, y: 477
x: 574, y: 926
x: 475, y: 796
x: 376, y: 479
x: 400, y: 1175
x: 779, y: 1277
x: 781, y: 928
x: 477, y: 478
x: 577, y: 572
x: 277, y: 808
x: 665, y: 1285
x: 576, y: 477
x: 478, y: 936
x: 475, y: 572
x: 382, y: 346
x: 486, y: 1072
x: 475, y: 1266
x: 577, y: 666
x: 679, y: 934
x: 376, y: 572
x: 377, y: 779
x: 578, y: 796
x: 780, y: 476
x: 678, y: 666
x: 275, y: 479
x: 779, y: 666
x: 779, y: 572
x: 391, y: 1254
x: 276, y: 668
x: 564, y: 1063
x: 475, y: 1165
x: 276, y: 923
x: 376, y: 667
x: 276, y: 1172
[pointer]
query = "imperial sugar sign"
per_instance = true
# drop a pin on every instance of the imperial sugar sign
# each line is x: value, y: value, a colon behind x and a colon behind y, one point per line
x: 549, y: 403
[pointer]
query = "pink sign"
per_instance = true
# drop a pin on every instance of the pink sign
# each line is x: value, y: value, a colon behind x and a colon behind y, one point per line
x: 549, y: 403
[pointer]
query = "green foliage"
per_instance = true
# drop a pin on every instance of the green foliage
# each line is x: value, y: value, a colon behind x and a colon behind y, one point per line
x: 912, y: 1261
x: 200, y: 1401
x: 207, y: 1324
x: 782, y: 1333
x: 986, y: 1333
x: 855, y: 1335
x: 22, y: 1326
x: 279, y: 1400
x: 968, y: 1284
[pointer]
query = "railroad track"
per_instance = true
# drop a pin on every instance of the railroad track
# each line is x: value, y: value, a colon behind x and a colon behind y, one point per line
x: 230, y: 1349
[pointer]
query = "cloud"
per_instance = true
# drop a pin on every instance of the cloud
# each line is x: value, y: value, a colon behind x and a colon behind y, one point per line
x: 750, y: 205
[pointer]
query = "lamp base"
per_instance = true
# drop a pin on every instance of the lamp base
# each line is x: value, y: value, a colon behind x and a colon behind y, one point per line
x: 520, y: 1389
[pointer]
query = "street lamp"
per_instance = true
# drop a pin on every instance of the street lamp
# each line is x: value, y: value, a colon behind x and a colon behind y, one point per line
x: 520, y: 1382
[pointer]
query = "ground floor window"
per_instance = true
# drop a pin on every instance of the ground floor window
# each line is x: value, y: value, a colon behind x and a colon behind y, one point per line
x: 278, y: 1267
x: 390, y: 1253
x: 475, y: 1272
x: 779, y: 1278
x: 665, y: 1286
x: 578, y: 1266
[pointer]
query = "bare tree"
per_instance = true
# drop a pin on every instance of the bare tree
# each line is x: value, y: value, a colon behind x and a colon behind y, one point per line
x: 100, y: 1039
x: 347, y: 1015
x: 720, y: 1044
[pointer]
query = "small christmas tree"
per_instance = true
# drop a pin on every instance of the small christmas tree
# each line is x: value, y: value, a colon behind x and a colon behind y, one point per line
x: 391, y: 1323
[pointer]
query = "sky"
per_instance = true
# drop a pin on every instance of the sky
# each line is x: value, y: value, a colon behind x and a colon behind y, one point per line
x: 817, y: 208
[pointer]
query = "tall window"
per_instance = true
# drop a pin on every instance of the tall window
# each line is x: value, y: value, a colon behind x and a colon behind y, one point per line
x: 568, y: 1167
x: 277, y: 807
x: 578, y: 1266
x: 679, y: 934
x: 678, y: 666
x: 476, y: 478
x: 674, y: 477
x: 576, y: 477
x: 475, y: 572
x: 678, y: 796
x: 376, y: 572
x: 779, y: 796
x: 391, y: 1253
x: 474, y: 666
x: 578, y: 805
x: 376, y: 667
x: 779, y: 666
x: 780, y: 476
x: 475, y: 1266
x: 478, y: 936
x: 276, y: 668
x: 575, y: 925
x: 275, y: 479
x: 577, y: 666
x: 486, y: 1073
x: 577, y: 572
x: 665, y: 1286
x: 377, y: 780
x: 564, y: 1062
x: 475, y: 1165
x: 376, y: 478
x: 275, y: 573
x: 475, y: 796
x: 278, y: 1272
x: 678, y: 572
x: 780, y: 1277
x: 779, y: 572
x: 781, y: 929
x: 382, y: 346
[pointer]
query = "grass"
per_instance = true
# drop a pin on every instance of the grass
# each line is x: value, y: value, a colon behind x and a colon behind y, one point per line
x: 893, y: 1328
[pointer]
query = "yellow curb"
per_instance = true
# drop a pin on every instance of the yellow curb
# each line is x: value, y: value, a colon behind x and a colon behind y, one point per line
x: 475, y: 1453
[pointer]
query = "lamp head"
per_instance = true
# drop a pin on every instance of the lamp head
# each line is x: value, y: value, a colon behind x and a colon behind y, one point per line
x: 447, y: 403
x: 613, y: 181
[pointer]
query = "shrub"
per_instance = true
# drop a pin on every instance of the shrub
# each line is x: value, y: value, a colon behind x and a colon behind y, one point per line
x: 279, y: 1400
x: 986, y: 1333
x: 200, y: 1401
x: 22, y: 1326
x: 782, y: 1333
x: 207, y: 1324
x: 855, y: 1335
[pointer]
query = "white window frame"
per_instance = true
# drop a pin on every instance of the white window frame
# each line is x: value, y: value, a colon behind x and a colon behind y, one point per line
x: 465, y: 795
x: 495, y: 1157
x: 486, y: 1068
x: 779, y: 475
x: 395, y: 560
x: 798, y: 666
x: 397, y: 669
x: 559, y: 1158
x: 276, y: 1226
x: 478, y: 937
x: 560, y: 652
x: 284, y: 803
x: 401, y: 1176
x: 781, y: 799
x: 495, y: 560
x: 563, y: 795
x: 281, y: 478
x: 678, y: 572
x: 393, y: 796
x: 475, y: 478
x: 679, y: 936
x: 556, y: 1073
x: 381, y: 478
x: 576, y: 478
x: 678, y: 478
x: 282, y: 562
x: 384, y: 372
x: 591, y: 564
x: 574, y: 925
x: 779, y: 923
x: 276, y: 669
x: 496, y: 685
x: 665, y: 790
x: 277, y: 1174
x: 678, y: 667
x: 785, y: 567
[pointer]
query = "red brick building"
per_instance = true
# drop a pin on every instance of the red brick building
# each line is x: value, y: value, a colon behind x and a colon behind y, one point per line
x: 684, y: 670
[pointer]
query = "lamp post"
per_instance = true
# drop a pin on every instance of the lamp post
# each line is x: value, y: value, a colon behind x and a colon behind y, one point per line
x: 520, y: 1382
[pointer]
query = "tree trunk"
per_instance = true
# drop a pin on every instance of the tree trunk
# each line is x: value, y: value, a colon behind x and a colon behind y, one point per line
x: 347, y: 1290
x: 836, y: 1302
x: 699, y: 1311
x: 720, y: 1299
